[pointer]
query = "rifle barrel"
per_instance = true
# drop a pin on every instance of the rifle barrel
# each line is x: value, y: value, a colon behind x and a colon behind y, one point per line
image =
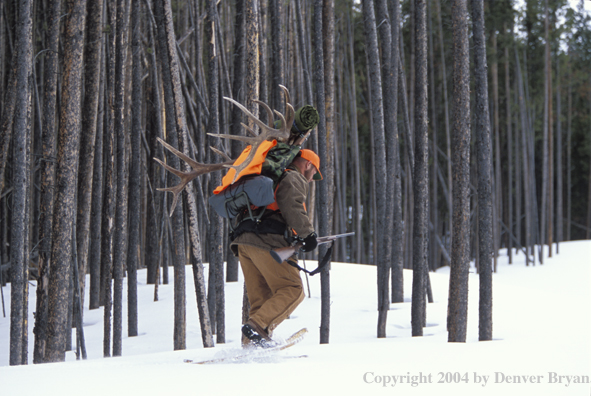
x: 282, y: 254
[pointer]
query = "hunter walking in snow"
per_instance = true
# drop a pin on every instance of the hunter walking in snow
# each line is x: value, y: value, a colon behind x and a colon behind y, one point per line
x: 275, y: 290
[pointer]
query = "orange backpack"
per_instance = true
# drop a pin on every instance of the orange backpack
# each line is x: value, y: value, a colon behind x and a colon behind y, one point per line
x: 255, y: 185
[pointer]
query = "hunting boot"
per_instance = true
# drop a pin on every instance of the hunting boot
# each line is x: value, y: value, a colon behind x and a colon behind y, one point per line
x: 257, y: 335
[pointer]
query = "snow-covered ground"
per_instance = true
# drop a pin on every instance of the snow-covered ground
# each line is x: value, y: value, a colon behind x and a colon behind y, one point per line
x: 542, y: 333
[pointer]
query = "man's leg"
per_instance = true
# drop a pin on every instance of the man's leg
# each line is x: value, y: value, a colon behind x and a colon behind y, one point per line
x: 284, y: 282
x: 256, y: 287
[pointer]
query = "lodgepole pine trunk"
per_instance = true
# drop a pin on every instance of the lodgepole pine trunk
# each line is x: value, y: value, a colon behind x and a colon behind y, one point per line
x: 175, y: 127
x: 390, y: 87
x: 559, y: 174
x: 460, y: 253
x: 355, y: 148
x: 381, y: 259
x: 120, y: 237
x: 484, y: 160
x: 49, y: 137
x: 323, y: 193
x: 19, y: 252
x: 421, y: 173
x: 446, y: 120
x: 216, y: 259
x: 510, y: 194
x: 92, y: 70
x: 67, y: 164
x: 135, y: 174
x: 396, y: 163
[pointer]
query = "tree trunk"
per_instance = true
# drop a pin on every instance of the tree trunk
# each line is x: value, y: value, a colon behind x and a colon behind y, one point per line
x: 236, y: 117
x: 120, y: 240
x: 135, y: 174
x: 175, y: 125
x: 526, y: 163
x: 389, y: 71
x: 550, y: 190
x: 19, y: 251
x: 323, y: 221
x: 588, y: 235
x: 460, y: 253
x: 65, y: 212
x: 395, y: 163
x: 559, y: 174
x: 47, y: 182
x: 569, y: 134
x: 446, y: 122
x: 497, y: 183
x: 421, y: 173
x: 382, y: 259
x: 276, y: 36
x: 108, y: 220
x: 155, y: 203
x: 510, y: 193
x: 92, y: 61
x: 216, y: 260
x: 484, y: 159
x: 545, y: 156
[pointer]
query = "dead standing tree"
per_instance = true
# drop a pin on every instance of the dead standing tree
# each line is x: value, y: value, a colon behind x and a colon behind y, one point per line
x: 484, y: 158
x: 92, y: 70
x: 176, y: 132
x: 421, y: 173
x: 318, y: 58
x: 460, y: 254
x: 215, y: 237
x: 121, y: 218
x: 381, y: 260
x: 19, y: 254
x: 67, y: 164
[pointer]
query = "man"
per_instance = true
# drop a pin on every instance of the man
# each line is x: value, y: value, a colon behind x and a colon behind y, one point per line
x: 275, y: 290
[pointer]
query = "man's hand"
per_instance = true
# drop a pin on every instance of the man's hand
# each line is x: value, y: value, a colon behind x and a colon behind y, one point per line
x: 310, y: 242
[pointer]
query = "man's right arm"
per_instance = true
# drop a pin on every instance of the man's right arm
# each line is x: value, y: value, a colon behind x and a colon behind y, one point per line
x: 291, y: 197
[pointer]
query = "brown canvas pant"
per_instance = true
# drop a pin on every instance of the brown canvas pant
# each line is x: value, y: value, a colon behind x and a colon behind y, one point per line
x: 274, y: 290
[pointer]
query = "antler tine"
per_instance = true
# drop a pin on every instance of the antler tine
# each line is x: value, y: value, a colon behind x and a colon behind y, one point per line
x: 186, y: 177
x: 287, y: 97
x: 220, y: 152
x: 266, y: 131
x: 269, y: 112
x: 245, y: 139
x: 249, y: 129
x: 289, y: 110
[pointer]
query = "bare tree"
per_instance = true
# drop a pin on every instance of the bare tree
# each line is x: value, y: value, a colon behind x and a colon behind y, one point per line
x: 421, y: 173
x: 67, y: 163
x: 92, y: 70
x: 19, y: 252
x: 47, y: 182
x: 120, y: 240
x: 216, y: 259
x: 135, y: 173
x: 175, y: 124
x: 460, y: 253
x: 484, y: 159
x: 381, y: 260
x: 323, y: 152
x: 394, y: 162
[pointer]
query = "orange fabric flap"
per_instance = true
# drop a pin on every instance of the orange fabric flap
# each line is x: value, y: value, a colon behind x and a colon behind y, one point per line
x: 254, y: 168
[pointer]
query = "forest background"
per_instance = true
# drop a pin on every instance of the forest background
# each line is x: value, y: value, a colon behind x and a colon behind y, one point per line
x: 448, y: 131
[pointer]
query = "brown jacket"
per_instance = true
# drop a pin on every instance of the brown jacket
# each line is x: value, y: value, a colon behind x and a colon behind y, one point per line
x: 290, y: 196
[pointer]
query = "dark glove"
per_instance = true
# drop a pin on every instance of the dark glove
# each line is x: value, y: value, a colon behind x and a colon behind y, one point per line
x: 310, y: 242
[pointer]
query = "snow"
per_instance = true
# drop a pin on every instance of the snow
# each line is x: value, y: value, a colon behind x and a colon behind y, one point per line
x: 541, y: 329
